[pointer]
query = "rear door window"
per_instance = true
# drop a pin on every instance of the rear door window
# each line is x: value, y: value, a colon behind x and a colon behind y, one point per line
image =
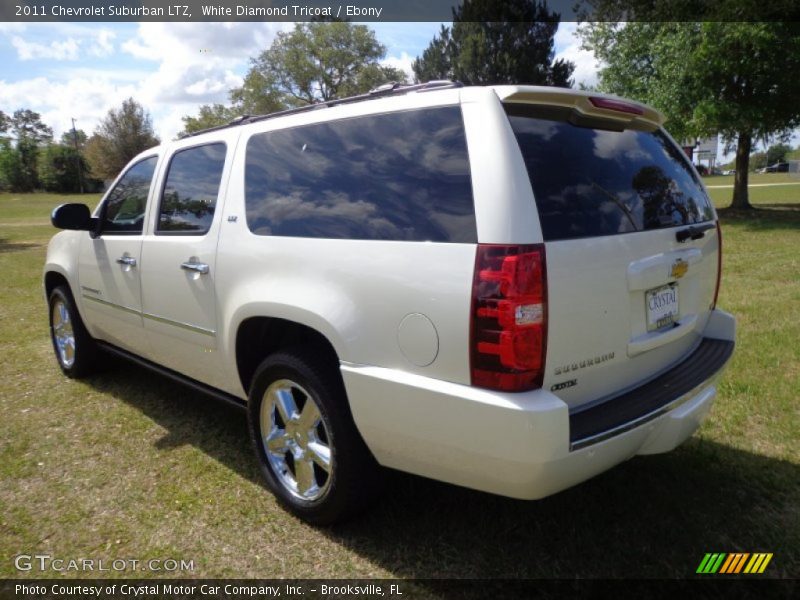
x: 592, y: 182
x: 190, y: 190
x: 394, y: 176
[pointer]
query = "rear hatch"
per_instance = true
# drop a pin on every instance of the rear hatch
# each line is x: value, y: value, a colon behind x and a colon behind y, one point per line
x: 630, y: 239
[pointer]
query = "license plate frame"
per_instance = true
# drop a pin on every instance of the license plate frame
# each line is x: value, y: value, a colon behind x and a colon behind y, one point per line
x: 662, y: 307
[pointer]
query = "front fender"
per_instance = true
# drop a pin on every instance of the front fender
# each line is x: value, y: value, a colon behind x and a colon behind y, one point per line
x: 62, y: 258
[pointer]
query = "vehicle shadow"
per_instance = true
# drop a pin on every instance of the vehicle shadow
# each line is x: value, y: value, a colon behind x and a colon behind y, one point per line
x: 654, y: 516
x: 9, y: 246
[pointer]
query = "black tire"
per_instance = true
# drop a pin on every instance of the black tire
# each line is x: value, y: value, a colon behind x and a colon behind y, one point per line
x: 353, y: 479
x: 81, y: 357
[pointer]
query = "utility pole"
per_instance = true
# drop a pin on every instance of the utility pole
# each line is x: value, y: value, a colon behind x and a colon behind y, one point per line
x: 77, y: 155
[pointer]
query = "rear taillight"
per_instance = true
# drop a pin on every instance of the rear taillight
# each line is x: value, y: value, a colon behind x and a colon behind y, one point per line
x: 719, y: 265
x: 509, y: 317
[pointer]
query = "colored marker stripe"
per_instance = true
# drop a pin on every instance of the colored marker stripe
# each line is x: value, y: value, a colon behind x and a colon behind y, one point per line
x: 711, y: 562
x: 758, y: 563
x: 727, y: 564
x: 734, y: 563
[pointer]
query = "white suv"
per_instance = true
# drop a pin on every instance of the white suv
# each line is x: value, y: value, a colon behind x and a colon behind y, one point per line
x: 507, y: 288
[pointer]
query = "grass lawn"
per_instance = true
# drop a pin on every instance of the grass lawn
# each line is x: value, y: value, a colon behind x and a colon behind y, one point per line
x: 129, y: 465
x: 756, y: 179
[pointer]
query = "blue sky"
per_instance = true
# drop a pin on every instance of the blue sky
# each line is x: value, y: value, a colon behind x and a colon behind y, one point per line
x: 81, y: 70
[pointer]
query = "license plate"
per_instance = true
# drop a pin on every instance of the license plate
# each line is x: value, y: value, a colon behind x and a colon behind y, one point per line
x: 661, y: 305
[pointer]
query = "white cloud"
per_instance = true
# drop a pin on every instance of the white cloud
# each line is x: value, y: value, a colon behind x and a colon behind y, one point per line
x: 402, y: 62
x: 95, y: 43
x: 6, y: 27
x: 103, y: 43
x: 179, y: 67
x: 88, y: 99
x: 197, y: 63
x: 55, y: 50
x: 85, y: 99
x: 194, y: 42
x: 169, y: 68
x: 112, y: 74
x: 568, y: 46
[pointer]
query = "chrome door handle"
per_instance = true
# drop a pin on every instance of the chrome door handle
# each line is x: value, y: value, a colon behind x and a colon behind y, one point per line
x: 197, y: 267
x: 126, y: 260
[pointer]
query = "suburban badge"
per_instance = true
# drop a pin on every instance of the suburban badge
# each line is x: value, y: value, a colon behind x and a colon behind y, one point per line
x: 582, y: 364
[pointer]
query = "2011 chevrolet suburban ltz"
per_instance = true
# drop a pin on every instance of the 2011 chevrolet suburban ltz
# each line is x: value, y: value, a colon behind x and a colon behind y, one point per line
x: 508, y: 288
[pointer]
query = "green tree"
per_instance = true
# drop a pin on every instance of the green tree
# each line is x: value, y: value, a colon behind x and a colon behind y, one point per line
x: 5, y: 123
x: 211, y: 115
x: 27, y: 124
x: 19, y: 163
x: 60, y: 168
x: 27, y: 178
x: 314, y: 62
x: 436, y: 61
x: 70, y: 139
x: 731, y: 78
x: 10, y: 166
x: 777, y: 153
x: 517, y: 48
x: 259, y: 95
x: 121, y: 135
x: 758, y: 160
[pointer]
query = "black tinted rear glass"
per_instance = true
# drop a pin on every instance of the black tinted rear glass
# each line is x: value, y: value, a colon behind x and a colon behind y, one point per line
x: 395, y: 176
x: 592, y: 182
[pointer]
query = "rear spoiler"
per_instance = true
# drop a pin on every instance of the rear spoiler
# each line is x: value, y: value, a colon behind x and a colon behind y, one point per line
x: 625, y: 113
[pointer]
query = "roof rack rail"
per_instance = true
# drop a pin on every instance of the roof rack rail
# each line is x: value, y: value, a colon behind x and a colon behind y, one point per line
x: 388, y: 89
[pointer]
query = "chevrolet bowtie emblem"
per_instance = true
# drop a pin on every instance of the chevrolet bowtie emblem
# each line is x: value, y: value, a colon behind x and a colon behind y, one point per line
x: 679, y: 268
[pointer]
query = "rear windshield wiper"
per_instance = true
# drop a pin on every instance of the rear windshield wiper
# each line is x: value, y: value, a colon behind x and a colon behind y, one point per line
x: 620, y: 204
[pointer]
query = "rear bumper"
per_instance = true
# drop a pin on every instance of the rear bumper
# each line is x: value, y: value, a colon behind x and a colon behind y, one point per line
x: 591, y: 424
x: 523, y: 445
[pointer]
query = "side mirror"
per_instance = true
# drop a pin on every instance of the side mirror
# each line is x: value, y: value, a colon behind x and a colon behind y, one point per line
x: 72, y: 216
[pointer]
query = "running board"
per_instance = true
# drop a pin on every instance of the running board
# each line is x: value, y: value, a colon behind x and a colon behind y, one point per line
x: 212, y: 392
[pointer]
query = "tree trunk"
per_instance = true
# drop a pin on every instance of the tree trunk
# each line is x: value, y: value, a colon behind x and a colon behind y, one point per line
x: 743, y: 145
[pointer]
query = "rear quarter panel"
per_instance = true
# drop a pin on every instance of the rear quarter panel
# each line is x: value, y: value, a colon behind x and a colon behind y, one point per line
x: 355, y: 292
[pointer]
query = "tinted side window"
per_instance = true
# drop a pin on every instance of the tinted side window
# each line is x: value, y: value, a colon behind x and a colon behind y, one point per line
x: 398, y: 176
x: 125, y: 205
x: 191, y: 189
x: 591, y: 182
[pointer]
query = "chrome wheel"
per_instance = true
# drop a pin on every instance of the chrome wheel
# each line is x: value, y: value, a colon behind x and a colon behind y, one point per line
x: 296, y: 440
x: 63, y: 334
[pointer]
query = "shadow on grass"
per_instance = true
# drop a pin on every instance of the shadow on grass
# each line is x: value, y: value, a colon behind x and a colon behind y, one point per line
x: 8, y: 246
x: 653, y: 516
x: 763, y: 217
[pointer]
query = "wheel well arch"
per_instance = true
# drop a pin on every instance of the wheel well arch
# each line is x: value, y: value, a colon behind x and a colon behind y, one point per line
x: 53, y: 279
x: 258, y: 337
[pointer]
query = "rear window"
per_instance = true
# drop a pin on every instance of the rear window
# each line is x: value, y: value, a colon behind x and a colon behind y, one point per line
x: 591, y: 182
x: 395, y: 176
